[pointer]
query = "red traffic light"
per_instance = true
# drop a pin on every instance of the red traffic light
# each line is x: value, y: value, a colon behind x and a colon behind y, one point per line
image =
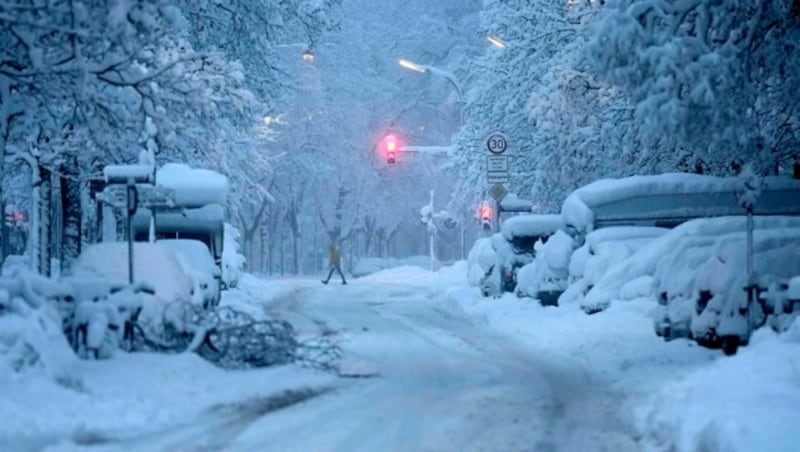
x: 486, y: 213
x: 390, y: 144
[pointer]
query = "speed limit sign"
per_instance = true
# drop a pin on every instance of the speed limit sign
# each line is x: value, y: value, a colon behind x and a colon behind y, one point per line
x: 497, y: 143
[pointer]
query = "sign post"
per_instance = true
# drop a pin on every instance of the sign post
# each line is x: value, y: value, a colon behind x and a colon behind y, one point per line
x: 497, y: 169
x: 129, y: 175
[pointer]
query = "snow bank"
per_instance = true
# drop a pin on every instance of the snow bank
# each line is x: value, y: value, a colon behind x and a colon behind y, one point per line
x: 368, y: 265
x: 31, y: 337
x: 743, y: 403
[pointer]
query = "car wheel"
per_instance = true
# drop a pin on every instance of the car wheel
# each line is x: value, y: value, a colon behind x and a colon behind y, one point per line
x: 730, y: 344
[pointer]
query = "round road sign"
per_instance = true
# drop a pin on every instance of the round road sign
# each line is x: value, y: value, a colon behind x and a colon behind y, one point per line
x: 497, y: 143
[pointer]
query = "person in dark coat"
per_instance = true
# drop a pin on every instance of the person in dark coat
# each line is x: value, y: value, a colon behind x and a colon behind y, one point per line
x: 335, y: 264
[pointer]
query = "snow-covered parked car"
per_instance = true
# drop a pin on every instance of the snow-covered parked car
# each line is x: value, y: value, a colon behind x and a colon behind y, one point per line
x: 661, y: 259
x: 523, y: 232
x: 602, y: 249
x: 481, y: 262
x: 196, y: 260
x: 171, y: 289
x: 547, y: 276
x: 722, y: 315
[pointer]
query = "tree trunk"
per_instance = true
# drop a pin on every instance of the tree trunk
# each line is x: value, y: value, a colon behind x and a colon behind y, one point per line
x: 45, y: 225
x: 247, y: 246
x: 70, y: 211
x: 5, y: 233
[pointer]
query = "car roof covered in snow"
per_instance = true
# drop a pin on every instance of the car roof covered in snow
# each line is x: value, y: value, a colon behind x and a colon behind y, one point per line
x: 670, y: 199
x: 194, y: 252
x: 152, y: 264
x: 193, y: 187
x: 531, y: 226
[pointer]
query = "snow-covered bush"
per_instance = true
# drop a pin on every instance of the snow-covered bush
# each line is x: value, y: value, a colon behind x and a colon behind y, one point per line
x: 31, y: 336
x: 232, y: 260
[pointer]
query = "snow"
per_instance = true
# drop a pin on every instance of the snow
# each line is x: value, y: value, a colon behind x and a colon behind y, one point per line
x: 196, y: 260
x: 193, y: 187
x: 743, y: 403
x: 369, y: 265
x: 480, y: 260
x: 152, y: 264
x: 232, y: 260
x: 456, y: 369
x: 549, y: 270
x: 670, y: 197
x: 512, y: 202
x: 794, y: 288
x: 194, y: 252
x: 120, y: 174
x: 531, y: 226
x: 647, y: 260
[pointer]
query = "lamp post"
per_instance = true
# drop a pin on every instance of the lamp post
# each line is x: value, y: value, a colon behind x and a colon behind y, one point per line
x: 449, y: 76
x: 425, y: 69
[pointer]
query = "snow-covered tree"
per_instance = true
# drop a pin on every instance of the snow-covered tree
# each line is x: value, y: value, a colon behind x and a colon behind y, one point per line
x: 713, y: 83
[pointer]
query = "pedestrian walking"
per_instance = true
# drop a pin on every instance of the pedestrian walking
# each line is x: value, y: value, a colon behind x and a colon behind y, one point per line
x: 335, y: 264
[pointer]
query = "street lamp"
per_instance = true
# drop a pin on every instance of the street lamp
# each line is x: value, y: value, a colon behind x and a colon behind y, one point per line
x: 309, y: 56
x: 424, y: 69
x: 497, y: 42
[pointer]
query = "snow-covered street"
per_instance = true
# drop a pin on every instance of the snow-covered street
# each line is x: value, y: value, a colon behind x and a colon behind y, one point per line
x: 427, y: 365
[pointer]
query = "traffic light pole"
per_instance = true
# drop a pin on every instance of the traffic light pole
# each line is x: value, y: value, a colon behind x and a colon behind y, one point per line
x: 431, y: 243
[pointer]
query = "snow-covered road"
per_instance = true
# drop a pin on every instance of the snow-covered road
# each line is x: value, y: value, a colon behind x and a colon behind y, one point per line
x: 427, y: 365
x: 422, y: 375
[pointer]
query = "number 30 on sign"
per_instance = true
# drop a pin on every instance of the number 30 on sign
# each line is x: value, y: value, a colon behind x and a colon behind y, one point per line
x: 497, y: 143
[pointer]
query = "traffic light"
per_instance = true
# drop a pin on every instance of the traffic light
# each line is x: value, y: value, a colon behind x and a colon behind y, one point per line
x: 390, y: 146
x: 486, y: 213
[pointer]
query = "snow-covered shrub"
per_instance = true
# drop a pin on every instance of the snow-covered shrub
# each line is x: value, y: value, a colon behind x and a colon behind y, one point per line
x: 31, y: 335
x: 232, y: 260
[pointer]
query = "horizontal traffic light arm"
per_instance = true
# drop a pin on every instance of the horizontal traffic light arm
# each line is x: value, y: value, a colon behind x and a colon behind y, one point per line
x: 427, y: 149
